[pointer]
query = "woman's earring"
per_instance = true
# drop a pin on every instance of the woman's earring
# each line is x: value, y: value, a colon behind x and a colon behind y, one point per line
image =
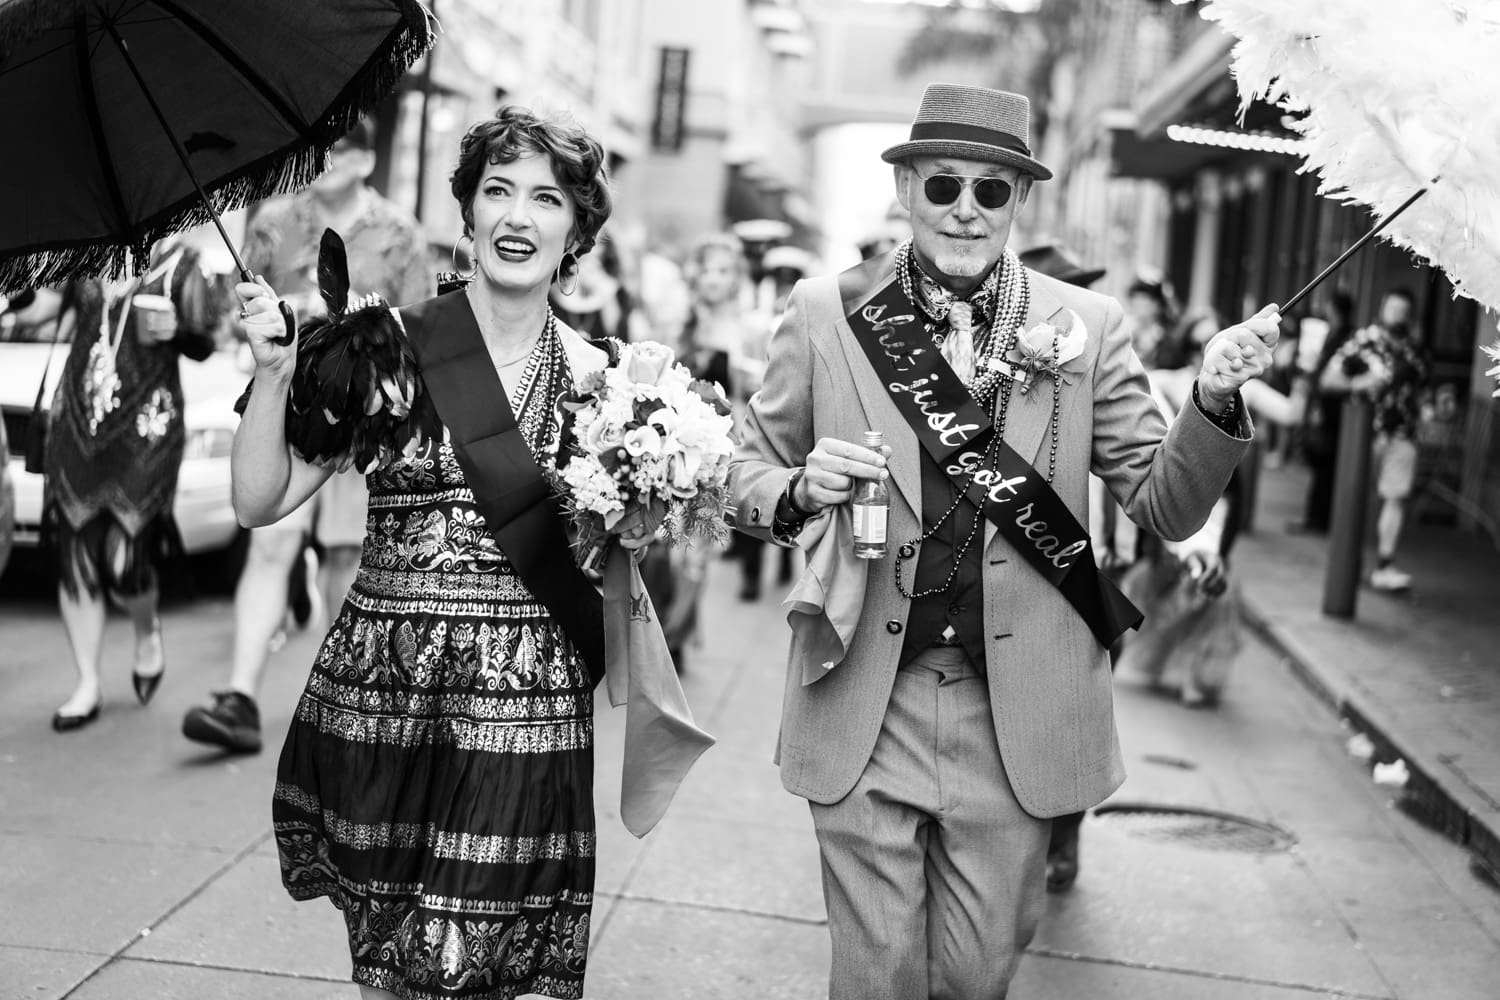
x: 471, y: 252
x: 564, y: 270
x: 454, y: 280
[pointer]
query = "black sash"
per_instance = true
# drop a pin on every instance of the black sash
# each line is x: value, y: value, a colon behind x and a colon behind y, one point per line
x: 957, y: 433
x: 518, y: 505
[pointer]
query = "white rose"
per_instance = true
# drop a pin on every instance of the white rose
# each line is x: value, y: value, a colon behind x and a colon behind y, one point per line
x: 683, y: 468
x: 647, y: 362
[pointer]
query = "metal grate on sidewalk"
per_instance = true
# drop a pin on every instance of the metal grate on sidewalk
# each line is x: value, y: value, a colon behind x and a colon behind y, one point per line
x: 1200, y: 829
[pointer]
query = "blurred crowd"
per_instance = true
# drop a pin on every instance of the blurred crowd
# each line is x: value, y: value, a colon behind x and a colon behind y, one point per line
x: 716, y: 300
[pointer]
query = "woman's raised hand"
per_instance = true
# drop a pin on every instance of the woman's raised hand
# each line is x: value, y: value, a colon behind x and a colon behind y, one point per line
x: 264, y: 328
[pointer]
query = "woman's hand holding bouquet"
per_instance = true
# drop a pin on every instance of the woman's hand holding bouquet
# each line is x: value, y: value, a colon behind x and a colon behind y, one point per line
x: 644, y: 451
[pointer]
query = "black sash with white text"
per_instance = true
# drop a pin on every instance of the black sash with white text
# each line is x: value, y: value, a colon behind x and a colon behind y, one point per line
x: 959, y: 436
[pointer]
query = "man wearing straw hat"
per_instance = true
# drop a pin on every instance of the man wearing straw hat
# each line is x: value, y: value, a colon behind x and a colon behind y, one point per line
x: 945, y: 702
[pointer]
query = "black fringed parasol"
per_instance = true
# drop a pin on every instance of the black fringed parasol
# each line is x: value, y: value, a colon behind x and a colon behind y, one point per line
x: 126, y: 121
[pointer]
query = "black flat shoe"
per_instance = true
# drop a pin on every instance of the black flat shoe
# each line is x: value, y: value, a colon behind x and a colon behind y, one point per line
x: 67, y: 723
x: 145, y: 686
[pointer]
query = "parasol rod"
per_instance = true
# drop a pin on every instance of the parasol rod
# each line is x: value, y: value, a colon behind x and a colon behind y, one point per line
x: 177, y: 148
x: 182, y: 156
x: 1367, y: 237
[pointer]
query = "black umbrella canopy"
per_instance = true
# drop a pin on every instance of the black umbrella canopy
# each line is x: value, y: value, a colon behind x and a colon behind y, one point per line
x: 102, y: 101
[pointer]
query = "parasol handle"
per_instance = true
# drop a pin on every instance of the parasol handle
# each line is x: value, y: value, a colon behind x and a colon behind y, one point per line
x: 1367, y: 237
x: 182, y: 156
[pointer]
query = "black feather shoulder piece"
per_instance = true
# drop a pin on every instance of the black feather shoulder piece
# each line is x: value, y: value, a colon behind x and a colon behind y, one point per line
x: 357, y: 398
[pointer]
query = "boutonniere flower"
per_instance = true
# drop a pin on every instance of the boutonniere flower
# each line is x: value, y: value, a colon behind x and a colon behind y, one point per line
x: 1051, y: 349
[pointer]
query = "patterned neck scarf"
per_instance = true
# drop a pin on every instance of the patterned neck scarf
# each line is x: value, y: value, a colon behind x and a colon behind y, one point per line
x: 936, y: 301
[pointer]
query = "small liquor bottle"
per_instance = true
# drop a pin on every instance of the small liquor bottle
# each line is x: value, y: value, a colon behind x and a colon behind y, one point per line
x: 871, y: 503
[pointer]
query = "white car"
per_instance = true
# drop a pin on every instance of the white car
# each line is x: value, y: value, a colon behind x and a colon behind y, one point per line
x: 7, y: 502
x: 203, y: 510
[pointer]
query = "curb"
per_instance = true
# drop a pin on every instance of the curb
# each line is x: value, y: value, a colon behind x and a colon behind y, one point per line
x: 1428, y: 794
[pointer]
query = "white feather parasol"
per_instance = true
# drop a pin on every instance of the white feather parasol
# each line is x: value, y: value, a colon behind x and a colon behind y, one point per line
x: 1394, y: 96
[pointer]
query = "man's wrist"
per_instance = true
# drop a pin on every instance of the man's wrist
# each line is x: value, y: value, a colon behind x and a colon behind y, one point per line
x: 1227, y: 418
x: 1211, y: 402
x: 800, y: 510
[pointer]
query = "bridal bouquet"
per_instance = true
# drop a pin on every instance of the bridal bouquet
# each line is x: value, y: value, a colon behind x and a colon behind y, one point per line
x: 643, y: 443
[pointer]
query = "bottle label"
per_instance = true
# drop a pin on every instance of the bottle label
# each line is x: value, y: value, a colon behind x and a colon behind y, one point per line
x: 869, y: 523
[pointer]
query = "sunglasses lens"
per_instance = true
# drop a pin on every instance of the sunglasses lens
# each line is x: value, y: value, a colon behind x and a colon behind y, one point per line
x: 942, y: 189
x: 992, y: 193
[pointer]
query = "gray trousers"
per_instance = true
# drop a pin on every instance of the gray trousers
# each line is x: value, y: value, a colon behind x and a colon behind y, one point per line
x: 933, y: 874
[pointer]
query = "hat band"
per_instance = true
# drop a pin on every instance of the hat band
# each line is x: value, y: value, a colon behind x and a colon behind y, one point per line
x: 957, y: 132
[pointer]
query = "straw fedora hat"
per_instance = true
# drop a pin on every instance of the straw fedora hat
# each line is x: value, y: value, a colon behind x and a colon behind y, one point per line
x: 974, y: 123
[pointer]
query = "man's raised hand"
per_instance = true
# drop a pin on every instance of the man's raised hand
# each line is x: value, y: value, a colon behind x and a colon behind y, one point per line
x: 1236, y: 355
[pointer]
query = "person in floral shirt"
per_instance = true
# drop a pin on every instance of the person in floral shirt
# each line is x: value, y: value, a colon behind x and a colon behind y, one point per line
x: 1385, y: 362
x: 387, y: 255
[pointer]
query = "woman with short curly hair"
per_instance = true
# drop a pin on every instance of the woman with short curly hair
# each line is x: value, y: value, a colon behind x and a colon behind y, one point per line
x: 437, y: 779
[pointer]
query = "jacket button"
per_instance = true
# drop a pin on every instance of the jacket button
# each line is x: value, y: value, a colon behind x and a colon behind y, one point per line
x: 893, y: 627
x: 907, y: 551
x: 754, y: 515
x: 955, y: 609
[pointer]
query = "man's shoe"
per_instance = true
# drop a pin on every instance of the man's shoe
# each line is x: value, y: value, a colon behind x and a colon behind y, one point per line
x: 231, y: 722
x: 1390, y: 579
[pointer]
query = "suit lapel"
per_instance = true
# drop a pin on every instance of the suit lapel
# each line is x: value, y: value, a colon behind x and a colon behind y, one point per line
x: 856, y: 286
x: 1030, y: 414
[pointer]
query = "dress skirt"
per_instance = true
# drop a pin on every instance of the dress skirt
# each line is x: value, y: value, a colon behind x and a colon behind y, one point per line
x: 437, y: 780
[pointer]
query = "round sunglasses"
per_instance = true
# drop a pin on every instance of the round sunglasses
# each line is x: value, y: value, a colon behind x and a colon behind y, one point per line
x: 944, y: 189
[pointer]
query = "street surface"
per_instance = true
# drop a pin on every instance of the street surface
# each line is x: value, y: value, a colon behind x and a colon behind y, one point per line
x: 134, y: 864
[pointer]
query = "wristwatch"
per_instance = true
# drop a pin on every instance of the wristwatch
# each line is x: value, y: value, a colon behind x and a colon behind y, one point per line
x: 787, y: 519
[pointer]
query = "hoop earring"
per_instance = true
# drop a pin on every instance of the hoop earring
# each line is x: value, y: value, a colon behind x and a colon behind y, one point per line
x: 469, y: 274
x: 562, y: 278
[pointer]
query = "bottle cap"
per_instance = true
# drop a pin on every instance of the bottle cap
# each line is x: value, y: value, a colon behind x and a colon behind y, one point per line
x: 874, y: 439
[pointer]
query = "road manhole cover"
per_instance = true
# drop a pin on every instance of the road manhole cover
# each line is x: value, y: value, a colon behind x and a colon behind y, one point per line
x: 1203, y: 829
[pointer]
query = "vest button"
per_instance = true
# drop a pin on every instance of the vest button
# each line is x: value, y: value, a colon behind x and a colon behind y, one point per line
x: 754, y: 515
x: 893, y: 627
x: 907, y: 551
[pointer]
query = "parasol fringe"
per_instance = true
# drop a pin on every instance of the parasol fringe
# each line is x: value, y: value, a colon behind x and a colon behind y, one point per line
x: 274, y: 174
x: 20, y: 20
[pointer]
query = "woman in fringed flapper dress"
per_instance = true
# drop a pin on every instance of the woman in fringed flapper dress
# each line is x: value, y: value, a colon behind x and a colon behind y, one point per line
x: 436, y: 782
x: 115, y: 441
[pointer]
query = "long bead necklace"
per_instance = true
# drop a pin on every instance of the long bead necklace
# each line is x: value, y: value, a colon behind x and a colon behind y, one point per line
x: 1012, y: 303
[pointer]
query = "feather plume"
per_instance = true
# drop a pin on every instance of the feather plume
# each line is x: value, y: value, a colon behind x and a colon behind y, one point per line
x: 1392, y: 96
x: 357, y: 398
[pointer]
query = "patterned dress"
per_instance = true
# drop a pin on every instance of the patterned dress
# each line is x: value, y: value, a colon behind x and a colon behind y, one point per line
x: 437, y: 780
x: 116, y: 434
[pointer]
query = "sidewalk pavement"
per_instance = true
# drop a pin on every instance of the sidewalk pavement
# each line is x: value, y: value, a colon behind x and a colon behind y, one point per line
x: 137, y: 866
x: 1418, y: 673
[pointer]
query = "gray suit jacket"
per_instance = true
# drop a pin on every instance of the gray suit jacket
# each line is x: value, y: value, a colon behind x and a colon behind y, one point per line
x: 1049, y: 680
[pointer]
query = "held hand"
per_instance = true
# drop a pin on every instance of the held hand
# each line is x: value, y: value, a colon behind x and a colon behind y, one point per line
x: 1207, y: 571
x: 832, y: 468
x: 1236, y: 355
x: 262, y: 324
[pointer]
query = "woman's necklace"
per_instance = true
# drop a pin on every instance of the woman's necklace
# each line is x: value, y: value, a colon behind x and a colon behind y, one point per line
x: 502, y: 365
x: 101, y: 379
